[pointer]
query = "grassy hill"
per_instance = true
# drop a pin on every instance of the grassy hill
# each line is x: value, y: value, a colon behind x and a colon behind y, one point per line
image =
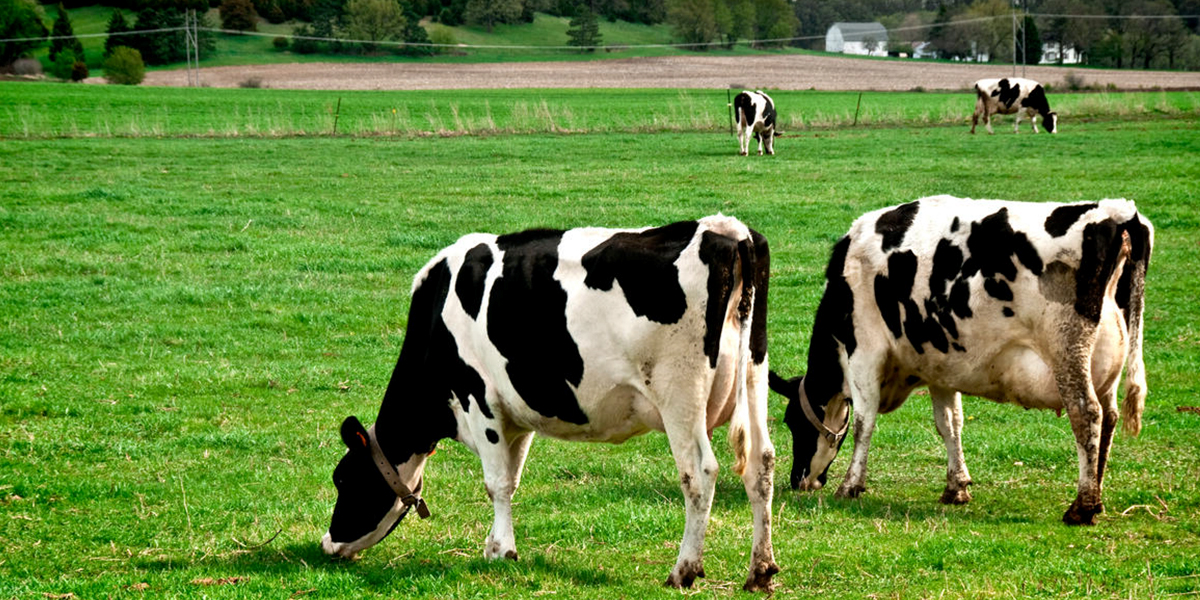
x: 548, y: 31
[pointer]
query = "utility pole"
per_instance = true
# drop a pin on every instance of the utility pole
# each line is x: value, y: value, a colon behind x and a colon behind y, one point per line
x: 191, y: 31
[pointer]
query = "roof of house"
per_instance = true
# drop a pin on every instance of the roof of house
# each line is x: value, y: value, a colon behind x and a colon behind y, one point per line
x: 857, y: 32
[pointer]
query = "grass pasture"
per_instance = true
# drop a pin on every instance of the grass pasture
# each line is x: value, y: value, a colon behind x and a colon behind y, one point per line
x: 186, y: 318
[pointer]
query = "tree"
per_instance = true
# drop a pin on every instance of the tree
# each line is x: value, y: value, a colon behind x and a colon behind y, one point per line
x: 124, y: 66
x: 239, y: 15
x: 490, y: 12
x: 374, y: 21
x: 991, y: 31
x: 774, y: 20
x: 64, y: 61
x: 1082, y: 34
x: 416, y: 35
x: 584, y: 29
x: 1029, y: 47
x: 116, y: 27
x: 693, y: 21
x: 941, y: 33
x: 20, y: 19
x: 166, y: 47
x: 64, y: 37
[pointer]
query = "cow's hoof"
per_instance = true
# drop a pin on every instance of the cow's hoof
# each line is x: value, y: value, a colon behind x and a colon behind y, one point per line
x: 684, y: 575
x: 744, y: 153
x: 511, y: 555
x: 959, y: 496
x: 850, y: 491
x: 760, y: 578
x: 1079, y: 514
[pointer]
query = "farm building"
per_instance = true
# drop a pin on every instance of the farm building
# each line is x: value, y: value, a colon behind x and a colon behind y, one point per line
x: 870, y: 39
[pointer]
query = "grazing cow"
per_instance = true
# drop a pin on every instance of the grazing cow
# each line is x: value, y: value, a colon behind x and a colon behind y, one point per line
x: 1012, y: 95
x: 589, y: 335
x: 1035, y: 304
x: 755, y: 114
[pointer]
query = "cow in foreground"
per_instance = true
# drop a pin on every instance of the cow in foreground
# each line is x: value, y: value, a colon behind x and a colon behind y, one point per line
x: 755, y: 114
x: 588, y: 334
x: 1035, y: 304
x: 1012, y: 96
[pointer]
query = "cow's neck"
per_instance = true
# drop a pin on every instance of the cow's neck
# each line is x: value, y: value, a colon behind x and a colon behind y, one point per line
x: 408, y: 425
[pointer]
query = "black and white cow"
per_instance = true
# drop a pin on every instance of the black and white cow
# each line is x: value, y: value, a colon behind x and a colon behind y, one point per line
x: 586, y: 334
x: 755, y: 114
x: 1012, y: 95
x: 1038, y: 304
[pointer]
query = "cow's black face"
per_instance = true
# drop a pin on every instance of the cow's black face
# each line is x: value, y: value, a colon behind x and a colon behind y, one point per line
x: 812, y: 453
x: 1050, y: 122
x: 367, y: 509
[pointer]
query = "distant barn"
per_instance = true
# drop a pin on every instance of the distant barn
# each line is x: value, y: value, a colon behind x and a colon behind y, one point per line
x: 870, y: 39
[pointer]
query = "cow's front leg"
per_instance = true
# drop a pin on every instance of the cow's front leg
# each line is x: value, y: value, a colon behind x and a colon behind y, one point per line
x: 697, y: 466
x: 770, y: 141
x: 948, y: 416
x: 1017, y: 122
x: 503, y: 461
x: 865, y: 393
x: 1084, y: 411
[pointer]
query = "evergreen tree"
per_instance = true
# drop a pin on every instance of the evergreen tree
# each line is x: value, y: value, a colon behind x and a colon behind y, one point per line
x: 116, y: 25
x: 584, y: 29
x: 239, y: 15
x: 20, y: 19
x: 414, y: 33
x: 64, y: 37
x: 1031, y: 45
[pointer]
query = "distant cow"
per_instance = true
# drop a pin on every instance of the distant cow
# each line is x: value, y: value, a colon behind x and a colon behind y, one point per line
x: 1035, y: 304
x: 586, y: 334
x: 1012, y: 95
x: 755, y: 114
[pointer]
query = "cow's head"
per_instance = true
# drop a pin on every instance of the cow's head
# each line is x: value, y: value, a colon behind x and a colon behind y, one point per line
x: 367, y: 508
x: 1050, y: 122
x: 816, y: 440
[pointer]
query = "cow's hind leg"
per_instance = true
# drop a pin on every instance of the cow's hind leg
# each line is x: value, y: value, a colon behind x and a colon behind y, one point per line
x: 697, y: 467
x: 759, y: 479
x: 503, y: 461
x: 743, y: 134
x: 769, y: 135
x: 948, y: 416
x: 1083, y: 407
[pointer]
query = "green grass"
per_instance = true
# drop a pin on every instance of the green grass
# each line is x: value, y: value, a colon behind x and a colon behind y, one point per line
x: 184, y: 322
x: 56, y: 110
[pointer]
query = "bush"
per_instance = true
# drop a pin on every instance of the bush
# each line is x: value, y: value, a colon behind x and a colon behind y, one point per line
x: 301, y: 45
x: 280, y: 43
x: 79, y: 71
x: 251, y: 83
x: 27, y: 67
x: 442, y: 36
x: 124, y: 66
x: 63, y: 62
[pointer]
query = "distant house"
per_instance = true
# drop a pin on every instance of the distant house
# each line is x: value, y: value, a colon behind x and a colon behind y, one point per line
x: 870, y: 39
x: 1051, y: 50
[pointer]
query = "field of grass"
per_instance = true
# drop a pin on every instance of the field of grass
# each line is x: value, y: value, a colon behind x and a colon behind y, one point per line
x: 185, y: 321
x: 36, y: 110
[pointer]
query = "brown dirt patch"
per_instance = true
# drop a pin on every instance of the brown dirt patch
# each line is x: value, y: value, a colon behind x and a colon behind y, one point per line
x: 782, y: 72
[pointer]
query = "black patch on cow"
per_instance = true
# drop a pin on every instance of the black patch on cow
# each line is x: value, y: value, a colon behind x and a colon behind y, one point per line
x: 471, y: 278
x: 893, y: 290
x: 1139, y: 259
x: 947, y: 262
x: 719, y: 253
x: 743, y: 104
x: 527, y: 322
x: 992, y: 244
x: 1062, y: 218
x: 998, y: 289
x: 492, y: 436
x: 960, y: 299
x: 1038, y: 102
x: 1100, y: 250
x: 888, y: 304
x: 954, y: 225
x: 893, y: 224
x: 834, y: 322
x: 644, y: 264
x: 1008, y: 312
x: 762, y: 275
x: 1007, y: 93
x: 958, y: 347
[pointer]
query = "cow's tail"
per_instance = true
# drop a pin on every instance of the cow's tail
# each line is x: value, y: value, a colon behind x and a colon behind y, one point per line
x: 1131, y: 293
x: 753, y: 260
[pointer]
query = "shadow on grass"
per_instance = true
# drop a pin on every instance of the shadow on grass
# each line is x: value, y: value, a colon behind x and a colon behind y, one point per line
x: 981, y: 510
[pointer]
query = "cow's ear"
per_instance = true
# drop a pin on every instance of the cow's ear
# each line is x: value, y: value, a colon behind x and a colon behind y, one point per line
x: 353, y: 434
x: 788, y: 388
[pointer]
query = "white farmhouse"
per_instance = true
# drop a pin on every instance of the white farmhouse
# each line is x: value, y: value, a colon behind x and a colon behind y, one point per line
x: 869, y: 39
